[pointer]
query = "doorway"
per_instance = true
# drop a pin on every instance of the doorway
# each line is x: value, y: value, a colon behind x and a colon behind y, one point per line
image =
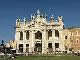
x: 38, y: 47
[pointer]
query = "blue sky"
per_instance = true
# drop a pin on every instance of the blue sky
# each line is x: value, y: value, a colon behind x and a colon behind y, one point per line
x: 10, y: 10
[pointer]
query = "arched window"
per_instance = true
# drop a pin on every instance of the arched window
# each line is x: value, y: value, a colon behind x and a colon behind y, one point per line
x: 38, y: 35
x: 21, y: 35
x: 27, y: 35
x: 56, y: 33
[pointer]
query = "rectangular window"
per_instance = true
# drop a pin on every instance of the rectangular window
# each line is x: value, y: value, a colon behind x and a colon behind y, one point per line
x: 21, y: 35
x: 49, y: 45
x: 65, y: 37
x: 56, y: 33
x: 27, y: 47
x: 27, y: 35
x: 56, y: 45
x: 49, y: 34
x: 20, y: 47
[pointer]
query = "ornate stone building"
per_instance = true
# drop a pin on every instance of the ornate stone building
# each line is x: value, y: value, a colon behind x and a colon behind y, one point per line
x: 40, y: 34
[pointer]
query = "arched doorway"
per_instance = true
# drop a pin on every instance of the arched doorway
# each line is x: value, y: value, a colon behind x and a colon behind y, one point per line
x: 38, y: 45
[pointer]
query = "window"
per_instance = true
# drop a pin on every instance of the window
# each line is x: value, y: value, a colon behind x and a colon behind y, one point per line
x: 27, y: 35
x: 20, y: 47
x: 21, y: 35
x: 56, y: 45
x: 76, y: 32
x: 38, y: 35
x: 71, y: 34
x: 32, y: 24
x: 49, y: 45
x: 66, y: 48
x: 56, y: 33
x: 77, y: 41
x: 49, y: 34
x: 39, y: 22
x: 27, y: 47
x: 65, y: 37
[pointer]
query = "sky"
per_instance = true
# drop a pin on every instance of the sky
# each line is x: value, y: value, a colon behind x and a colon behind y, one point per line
x: 10, y: 10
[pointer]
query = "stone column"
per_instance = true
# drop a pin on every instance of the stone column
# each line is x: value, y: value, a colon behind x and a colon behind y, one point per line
x: 44, y: 42
x: 24, y: 41
x: 17, y: 38
x: 31, y: 44
x: 53, y: 42
x: 24, y: 47
x: 61, y: 40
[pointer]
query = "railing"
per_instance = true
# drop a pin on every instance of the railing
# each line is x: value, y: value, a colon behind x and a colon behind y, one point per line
x: 38, y: 40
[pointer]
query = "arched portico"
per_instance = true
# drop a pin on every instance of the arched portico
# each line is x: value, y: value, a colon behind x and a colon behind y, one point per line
x: 38, y: 40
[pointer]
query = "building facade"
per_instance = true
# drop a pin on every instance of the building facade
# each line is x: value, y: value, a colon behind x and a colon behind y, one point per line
x: 72, y: 39
x: 40, y: 34
x: 75, y: 38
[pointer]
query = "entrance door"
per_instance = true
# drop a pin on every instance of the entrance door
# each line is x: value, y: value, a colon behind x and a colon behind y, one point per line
x: 38, y: 47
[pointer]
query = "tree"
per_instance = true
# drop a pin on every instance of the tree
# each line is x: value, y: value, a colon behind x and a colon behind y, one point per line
x: 2, y: 44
